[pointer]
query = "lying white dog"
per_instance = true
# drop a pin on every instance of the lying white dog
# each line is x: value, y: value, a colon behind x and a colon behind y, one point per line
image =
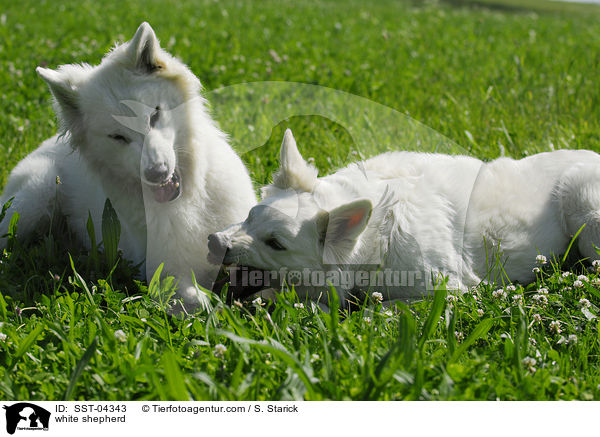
x: 398, y: 220
x: 136, y: 130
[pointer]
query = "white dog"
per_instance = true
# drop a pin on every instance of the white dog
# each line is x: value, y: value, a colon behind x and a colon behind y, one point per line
x: 135, y: 129
x: 393, y: 222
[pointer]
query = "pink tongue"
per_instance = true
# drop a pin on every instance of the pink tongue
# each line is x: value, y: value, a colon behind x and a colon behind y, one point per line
x: 164, y: 193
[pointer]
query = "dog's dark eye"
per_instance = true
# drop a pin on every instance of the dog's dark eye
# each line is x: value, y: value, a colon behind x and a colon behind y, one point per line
x: 274, y: 244
x: 118, y: 137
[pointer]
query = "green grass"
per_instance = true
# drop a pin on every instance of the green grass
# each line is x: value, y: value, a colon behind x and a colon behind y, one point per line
x: 494, y: 80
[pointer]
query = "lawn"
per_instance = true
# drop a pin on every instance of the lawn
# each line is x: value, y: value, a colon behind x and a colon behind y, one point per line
x: 491, y: 78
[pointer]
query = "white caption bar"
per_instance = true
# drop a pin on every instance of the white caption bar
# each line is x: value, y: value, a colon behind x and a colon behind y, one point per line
x: 149, y: 418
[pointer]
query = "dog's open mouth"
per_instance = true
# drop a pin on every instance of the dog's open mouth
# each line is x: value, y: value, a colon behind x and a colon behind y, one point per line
x: 244, y: 282
x: 168, y: 190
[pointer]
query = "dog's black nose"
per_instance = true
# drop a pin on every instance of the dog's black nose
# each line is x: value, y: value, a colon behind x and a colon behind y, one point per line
x: 157, y: 173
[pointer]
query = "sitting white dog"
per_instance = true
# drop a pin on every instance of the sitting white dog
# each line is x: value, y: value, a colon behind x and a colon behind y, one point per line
x: 398, y: 222
x: 136, y: 130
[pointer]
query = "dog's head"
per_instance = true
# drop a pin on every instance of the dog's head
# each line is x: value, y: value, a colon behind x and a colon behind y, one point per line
x: 289, y: 229
x: 129, y: 115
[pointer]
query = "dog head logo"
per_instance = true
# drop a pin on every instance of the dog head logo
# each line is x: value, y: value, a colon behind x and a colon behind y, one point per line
x: 26, y: 416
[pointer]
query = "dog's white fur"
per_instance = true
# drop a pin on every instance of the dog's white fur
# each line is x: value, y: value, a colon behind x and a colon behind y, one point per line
x: 451, y: 216
x: 105, y: 150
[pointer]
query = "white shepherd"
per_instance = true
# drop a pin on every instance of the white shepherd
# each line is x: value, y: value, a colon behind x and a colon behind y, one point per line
x: 135, y: 129
x: 395, y: 222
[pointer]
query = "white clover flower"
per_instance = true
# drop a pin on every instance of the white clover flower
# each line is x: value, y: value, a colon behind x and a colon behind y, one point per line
x: 480, y: 312
x: 377, y: 296
x: 537, y: 318
x: 530, y: 363
x: 3, y: 336
x: 540, y: 259
x: 566, y: 289
x: 540, y: 299
x: 555, y: 327
x: 566, y: 274
x: 572, y: 339
x: 511, y: 288
x: 314, y: 357
x: 367, y: 319
x: 596, y: 265
x: 583, y: 278
x: 577, y: 284
x: 451, y: 298
x: 499, y: 294
x: 517, y: 298
x: 543, y: 291
x: 596, y: 282
x: 220, y: 350
x: 585, y: 303
x: 120, y: 335
x: 388, y: 313
x: 299, y: 305
x: 535, y: 270
x: 459, y: 335
x: 258, y: 301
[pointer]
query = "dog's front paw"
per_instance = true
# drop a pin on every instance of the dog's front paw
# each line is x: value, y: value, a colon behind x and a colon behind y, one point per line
x: 190, y: 299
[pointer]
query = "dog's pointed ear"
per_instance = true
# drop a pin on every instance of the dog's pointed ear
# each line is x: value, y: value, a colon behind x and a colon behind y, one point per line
x: 348, y: 221
x: 143, y: 50
x: 340, y: 228
x: 66, y: 95
x: 294, y: 172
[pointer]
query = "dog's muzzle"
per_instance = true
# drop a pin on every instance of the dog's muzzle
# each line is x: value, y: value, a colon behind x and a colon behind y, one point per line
x: 164, y: 188
x: 219, y: 252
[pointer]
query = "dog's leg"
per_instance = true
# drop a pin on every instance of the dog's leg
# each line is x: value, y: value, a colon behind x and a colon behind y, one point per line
x: 168, y: 243
x: 32, y: 185
x: 192, y: 296
x: 578, y: 196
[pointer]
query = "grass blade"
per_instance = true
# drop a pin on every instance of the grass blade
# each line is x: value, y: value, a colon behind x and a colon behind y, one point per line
x: 278, y: 350
x: 175, y: 379
x: 3, y: 306
x: 81, y: 282
x: 564, y: 258
x: 94, y: 247
x: 480, y: 331
x: 5, y: 209
x: 111, y: 233
x: 87, y: 356
x: 27, y: 342
x: 439, y: 302
x: 401, y: 353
